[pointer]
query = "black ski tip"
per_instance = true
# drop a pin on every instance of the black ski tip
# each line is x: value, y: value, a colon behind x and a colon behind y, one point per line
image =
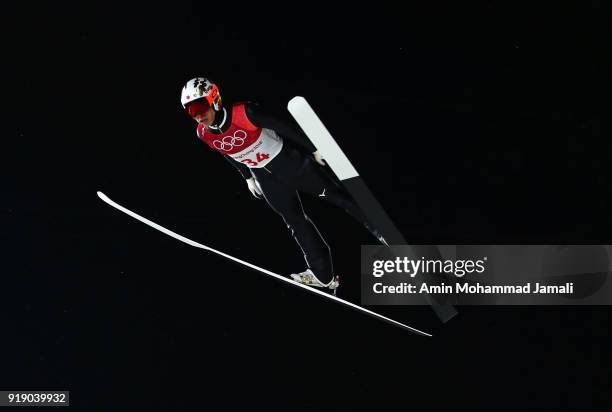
x: 445, y: 312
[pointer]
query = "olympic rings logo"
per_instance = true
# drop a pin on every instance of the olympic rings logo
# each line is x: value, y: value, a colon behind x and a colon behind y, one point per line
x: 229, y: 142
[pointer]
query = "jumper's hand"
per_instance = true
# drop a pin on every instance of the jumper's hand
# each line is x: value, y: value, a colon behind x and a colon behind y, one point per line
x: 254, y: 187
x: 319, y: 158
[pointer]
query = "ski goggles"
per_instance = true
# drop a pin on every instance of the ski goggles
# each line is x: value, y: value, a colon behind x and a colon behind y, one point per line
x: 197, y: 107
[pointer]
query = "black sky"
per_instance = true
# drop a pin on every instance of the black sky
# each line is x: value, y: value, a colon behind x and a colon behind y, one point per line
x: 473, y: 123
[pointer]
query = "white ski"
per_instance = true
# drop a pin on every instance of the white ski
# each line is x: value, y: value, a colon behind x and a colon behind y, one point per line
x: 339, y: 163
x: 257, y: 268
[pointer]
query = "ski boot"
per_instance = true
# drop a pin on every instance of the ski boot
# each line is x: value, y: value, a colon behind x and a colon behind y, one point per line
x: 308, y: 278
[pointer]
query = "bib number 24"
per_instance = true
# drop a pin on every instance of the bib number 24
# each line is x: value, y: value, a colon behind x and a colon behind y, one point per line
x: 260, y: 157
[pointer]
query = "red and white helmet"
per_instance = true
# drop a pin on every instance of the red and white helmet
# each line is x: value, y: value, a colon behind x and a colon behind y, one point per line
x: 201, y: 88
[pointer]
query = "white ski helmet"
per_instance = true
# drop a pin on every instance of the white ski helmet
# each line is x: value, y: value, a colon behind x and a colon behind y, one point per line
x: 201, y: 88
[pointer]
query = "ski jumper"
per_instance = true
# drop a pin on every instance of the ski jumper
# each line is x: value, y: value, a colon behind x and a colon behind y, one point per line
x: 254, y: 142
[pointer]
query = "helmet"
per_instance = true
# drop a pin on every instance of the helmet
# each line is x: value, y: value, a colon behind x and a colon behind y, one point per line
x: 201, y: 89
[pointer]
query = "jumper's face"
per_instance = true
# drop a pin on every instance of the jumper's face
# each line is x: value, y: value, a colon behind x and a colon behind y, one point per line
x: 201, y: 112
x: 206, y: 118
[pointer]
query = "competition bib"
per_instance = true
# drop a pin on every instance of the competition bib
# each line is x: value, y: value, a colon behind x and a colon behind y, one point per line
x: 243, y: 141
x: 260, y: 152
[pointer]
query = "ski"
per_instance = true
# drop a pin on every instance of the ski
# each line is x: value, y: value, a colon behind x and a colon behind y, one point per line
x: 339, y: 163
x: 190, y: 242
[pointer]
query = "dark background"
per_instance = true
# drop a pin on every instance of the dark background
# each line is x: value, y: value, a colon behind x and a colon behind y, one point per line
x: 485, y: 122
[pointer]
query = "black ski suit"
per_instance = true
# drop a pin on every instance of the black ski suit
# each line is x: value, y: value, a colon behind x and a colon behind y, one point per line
x: 292, y: 171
